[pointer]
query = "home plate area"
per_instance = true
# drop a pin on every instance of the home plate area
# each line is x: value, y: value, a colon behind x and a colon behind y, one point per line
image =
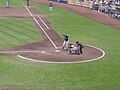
x: 63, y: 56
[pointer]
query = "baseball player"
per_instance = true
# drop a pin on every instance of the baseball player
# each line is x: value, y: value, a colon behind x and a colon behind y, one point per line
x: 50, y: 7
x: 79, y: 48
x: 27, y: 1
x: 66, y: 41
x: 72, y: 48
x: 7, y: 2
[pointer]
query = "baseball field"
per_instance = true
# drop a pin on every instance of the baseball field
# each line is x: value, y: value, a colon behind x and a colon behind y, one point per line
x: 21, y: 34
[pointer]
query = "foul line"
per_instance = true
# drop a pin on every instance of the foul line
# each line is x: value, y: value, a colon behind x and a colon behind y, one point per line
x: 26, y: 8
x: 27, y: 51
x: 45, y: 33
x: 20, y: 51
x: 40, y: 26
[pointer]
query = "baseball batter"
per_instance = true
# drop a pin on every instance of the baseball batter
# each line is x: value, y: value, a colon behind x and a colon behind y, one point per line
x: 66, y: 41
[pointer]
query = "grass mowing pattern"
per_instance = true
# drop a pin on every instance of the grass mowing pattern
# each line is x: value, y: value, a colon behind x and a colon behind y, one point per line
x: 12, y: 3
x: 15, y: 32
x: 102, y: 74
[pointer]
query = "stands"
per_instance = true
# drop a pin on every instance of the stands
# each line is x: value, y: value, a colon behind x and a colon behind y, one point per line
x: 108, y: 7
x: 61, y: 1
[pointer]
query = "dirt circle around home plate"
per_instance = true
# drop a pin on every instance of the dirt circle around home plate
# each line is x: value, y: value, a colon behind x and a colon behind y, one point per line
x: 90, y: 53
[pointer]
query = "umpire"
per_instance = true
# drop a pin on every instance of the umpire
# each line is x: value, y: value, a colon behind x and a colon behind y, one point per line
x: 79, y: 48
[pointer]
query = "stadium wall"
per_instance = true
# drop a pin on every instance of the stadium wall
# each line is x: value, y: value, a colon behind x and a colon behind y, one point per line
x: 80, y: 3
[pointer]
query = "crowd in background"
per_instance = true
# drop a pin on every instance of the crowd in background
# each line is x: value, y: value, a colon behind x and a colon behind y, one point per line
x: 111, y: 8
x: 108, y: 7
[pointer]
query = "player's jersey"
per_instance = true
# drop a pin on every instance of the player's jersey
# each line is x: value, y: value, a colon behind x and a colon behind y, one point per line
x: 50, y: 5
x: 80, y: 45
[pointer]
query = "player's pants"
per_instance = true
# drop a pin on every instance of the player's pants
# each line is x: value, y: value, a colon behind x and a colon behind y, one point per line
x: 50, y: 9
x: 65, y: 44
x: 7, y: 2
x: 73, y: 50
x: 27, y: 2
x: 79, y: 51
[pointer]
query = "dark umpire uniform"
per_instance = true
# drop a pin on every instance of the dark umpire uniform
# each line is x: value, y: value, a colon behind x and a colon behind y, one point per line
x: 79, y: 48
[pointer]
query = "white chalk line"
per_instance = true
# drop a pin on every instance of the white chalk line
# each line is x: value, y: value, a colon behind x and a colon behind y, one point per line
x: 43, y: 22
x: 45, y: 33
x: 88, y: 60
x: 26, y: 8
x: 24, y: 51
x: 40, y: 26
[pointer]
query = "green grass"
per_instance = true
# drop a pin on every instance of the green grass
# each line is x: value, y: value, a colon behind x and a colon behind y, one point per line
x: 12, y: 3
x: 102, y: 74
x: 15, y: 32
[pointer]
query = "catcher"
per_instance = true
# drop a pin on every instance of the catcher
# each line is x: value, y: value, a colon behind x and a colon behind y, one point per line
x: 77, y: 49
